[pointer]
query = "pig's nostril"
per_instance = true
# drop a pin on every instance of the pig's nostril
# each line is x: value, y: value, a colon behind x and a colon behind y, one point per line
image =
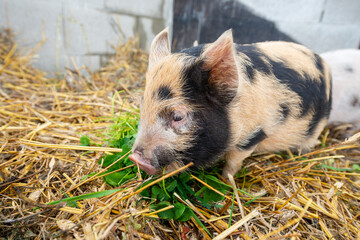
x: 139, y: 150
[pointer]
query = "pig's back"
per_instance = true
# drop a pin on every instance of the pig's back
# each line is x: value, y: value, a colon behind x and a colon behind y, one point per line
x: 289, y: 88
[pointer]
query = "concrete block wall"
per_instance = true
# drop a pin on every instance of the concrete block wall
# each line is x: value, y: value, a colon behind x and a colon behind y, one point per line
x: 322, y: 25
x: 84, y: 30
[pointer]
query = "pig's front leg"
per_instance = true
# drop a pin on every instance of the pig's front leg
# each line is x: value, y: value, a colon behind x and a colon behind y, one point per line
x: 234, y: 160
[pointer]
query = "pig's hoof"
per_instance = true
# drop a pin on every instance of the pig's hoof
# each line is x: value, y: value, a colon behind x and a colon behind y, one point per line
x: 226, y: 173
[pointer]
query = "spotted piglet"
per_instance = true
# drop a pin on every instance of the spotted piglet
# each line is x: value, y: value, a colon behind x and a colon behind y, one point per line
x: 345, y: 68
x: 224, y: 99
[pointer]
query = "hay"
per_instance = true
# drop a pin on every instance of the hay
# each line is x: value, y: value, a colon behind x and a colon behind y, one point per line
x: 313, y: 196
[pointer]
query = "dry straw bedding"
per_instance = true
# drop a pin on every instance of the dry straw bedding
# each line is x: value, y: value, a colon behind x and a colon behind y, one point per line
x: 42, y: 119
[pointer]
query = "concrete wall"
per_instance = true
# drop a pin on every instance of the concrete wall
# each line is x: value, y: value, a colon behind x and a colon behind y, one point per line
x: 82, y: 29
x: 322, y: 25
x: 86, y: 29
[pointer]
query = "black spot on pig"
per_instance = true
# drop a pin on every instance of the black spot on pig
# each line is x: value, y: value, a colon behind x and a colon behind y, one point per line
x: 284, y: 111
x: 321, y: 107
x: 311, y: 91
x: 304, y: 86
x: 319, y: 63
x: 212, y: 135
x: 256, y: 138
x: 211, y: 119
x: 257, y: 60
x: 250, y: 72
x: 194, y: 79
x: 164, y: 156
x: 349, y: 69
x: 196, y: 85
x: 355, y: 102
x: 164, y: 93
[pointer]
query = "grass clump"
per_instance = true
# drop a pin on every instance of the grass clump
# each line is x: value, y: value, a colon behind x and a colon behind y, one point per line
x: 172, y: 191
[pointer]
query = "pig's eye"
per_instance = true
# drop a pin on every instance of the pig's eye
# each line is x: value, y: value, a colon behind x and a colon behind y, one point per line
x: 177, y: 116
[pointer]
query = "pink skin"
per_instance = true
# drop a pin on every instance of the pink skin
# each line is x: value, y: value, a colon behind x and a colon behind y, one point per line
x: 143, y: 163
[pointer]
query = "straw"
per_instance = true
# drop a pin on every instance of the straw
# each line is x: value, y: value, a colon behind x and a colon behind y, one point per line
x: 310, y: 196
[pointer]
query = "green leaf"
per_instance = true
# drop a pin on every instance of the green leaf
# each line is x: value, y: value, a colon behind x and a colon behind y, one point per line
x: 127, y: 146
x: 88, y: 175
x: 211, y: 196
x: 192, y: 193
x: 186, y: 215
x: 118, y: 178
x: 198, y: 193
x: 356, y: 167
x: 145, y: 193
x: 164, y: 188
x: 247, y: 203
x: 70, y: 203
x: 200, y: 223
x: 179, y: 209
x: 184, y: 177
x: 182, y: 191
x: 159, y: 205
x: 127, y: 177
x: 109, y: 159
x: 238, y: 175
x: 170, y: 187
x: 137, y: 226
x: 85, y: 140
x: 168, y: 214
x: 86, y: 196
x: 214, y: 179
x: 335, y: 169
x: 163, y: 196
x: 155, y: 191
x: 232, y: 208
x: 114, y: 178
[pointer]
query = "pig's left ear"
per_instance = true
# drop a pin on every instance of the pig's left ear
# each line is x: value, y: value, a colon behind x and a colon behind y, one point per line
x: 160, y: 47
x: 219, y: 59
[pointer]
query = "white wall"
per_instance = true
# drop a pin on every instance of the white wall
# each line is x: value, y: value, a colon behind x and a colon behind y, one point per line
x: 86, y: 29
x: 322, y: 25
x: 82, y: 29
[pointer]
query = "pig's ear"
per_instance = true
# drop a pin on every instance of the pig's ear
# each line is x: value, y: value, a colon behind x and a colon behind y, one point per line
x: 219, y: 59
x: 160, y: 47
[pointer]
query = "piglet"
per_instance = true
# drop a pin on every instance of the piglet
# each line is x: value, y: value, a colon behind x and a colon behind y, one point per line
x: 345, y: 68
x: 225, y: 99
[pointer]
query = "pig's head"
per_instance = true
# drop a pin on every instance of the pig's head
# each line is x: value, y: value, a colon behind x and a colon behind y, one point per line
x: 184, y: 110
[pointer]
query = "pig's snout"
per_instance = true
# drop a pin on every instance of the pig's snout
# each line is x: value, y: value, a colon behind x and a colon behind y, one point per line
x: 144, y: 164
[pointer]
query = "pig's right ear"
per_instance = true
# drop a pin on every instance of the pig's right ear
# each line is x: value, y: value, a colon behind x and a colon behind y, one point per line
x: 160, y: 47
